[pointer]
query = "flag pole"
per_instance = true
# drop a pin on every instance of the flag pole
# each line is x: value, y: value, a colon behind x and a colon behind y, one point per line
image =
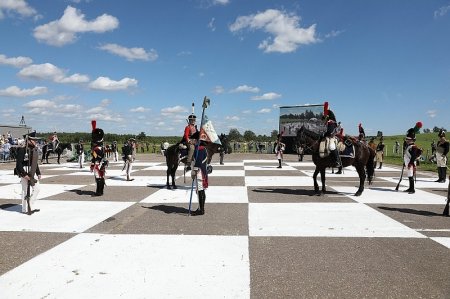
x: 206, y: 103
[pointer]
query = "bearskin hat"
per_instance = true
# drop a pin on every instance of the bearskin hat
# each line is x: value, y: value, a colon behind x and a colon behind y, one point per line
x: 97, y: 135
x: 192, y: 116
x: 441, y: 133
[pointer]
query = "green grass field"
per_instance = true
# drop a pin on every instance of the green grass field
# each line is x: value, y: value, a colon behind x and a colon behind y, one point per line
x: 422, y: 140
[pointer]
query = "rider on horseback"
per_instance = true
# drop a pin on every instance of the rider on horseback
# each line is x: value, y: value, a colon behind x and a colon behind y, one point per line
x: 53, y: 140
x: 188, y: 139
x: 332, y: 129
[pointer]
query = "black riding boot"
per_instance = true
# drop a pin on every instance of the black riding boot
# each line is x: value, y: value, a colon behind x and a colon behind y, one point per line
x: 202, y: 196
x: 444, y: 174
x: 381, y: 165
x: 335, y: 155
x: 102, y: 185
x: 411, y: 189
x: 439, y: 175
x: 97, y: 190
x: 339, y: 170
x: 279, y: 163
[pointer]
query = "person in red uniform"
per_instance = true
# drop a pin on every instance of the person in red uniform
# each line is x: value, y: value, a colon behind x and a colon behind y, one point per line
x: 188, y: 138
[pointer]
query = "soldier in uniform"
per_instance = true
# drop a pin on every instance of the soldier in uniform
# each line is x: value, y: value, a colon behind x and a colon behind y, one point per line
x: 332, y: 127
x: 379, y: 153
x: 361, y: 134
x: 200, y: 174
x: 54, y: 141
x: 98, y: 161
x: 442, y: 148
x: 279, y: 148
x: 26, y: 168
x: 80, y: 152
x: 128, y: 156
x: 411, y: 153
x: 115, y: 151
x: 188, y: 139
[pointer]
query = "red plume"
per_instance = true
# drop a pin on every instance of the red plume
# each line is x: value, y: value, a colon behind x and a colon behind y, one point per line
x: 94, y: 124
x: 418, y: 126
x: 325, y: 108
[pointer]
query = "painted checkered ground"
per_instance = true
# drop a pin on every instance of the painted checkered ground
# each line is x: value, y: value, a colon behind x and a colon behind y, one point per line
x: 264, y: 235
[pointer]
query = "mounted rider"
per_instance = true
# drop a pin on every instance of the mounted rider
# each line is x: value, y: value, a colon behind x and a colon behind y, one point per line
x: 330, y: 135
x: 189, y: 137
x: 53, y: 140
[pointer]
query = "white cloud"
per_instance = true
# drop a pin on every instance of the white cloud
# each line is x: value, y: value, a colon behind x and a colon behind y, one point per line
x: 40, y: 104
x: 106, y: 116
x: 105, y: 83
x: 139, y: 109
x: 19, y: 61
x: 16, y: 7
x: 105, y: 102
x: 64, y: 31
x: 245, y: 88
x: 232, y: 118
x: 333, y: 33
x: 14, y: 91
x: 286, y: 33
x: 131, y: 53
x: 267, y: 96
x: 432, y: 113
x: 218, y: 89
x: 211, y: 25
x: 94, y: 110
x: 441, y: 11
x: 220, y: 2
x: 173, y: 110
x: 48, y: 71
x: 264, y: 110
x: 247, y: 111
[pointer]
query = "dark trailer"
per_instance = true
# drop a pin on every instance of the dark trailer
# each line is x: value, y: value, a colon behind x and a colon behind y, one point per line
x: 292, y: 118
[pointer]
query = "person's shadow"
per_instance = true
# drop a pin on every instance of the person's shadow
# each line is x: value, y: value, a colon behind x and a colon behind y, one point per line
x: 82, y: 192
x: 168, y: 209
x: 11, y: 207
x: 411, y: 211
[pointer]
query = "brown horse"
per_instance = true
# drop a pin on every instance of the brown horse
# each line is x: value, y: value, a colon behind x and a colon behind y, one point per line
x: 173, y: 158
x: 59, y: 150
x: 362, y: 159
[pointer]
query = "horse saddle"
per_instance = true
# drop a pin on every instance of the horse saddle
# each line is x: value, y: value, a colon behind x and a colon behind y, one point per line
x: 345, y: 149
x: 324, y: 146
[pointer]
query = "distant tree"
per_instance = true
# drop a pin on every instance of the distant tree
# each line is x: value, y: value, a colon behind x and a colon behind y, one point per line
x: 274, y: 134
x: 426, y: 130
x: 141, y: 136
x: 234, y: 135
x: 436, y: 129
x: 249, y: 135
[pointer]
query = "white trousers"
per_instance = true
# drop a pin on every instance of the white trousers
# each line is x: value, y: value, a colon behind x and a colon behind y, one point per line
x: 116, y: 156
x: 34, y: 191
x: 129, y: 167
x: 81, y: 159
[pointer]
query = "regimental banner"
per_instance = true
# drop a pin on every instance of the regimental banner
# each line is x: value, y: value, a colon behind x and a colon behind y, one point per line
x: 207, y: 132
x: 293, y: 118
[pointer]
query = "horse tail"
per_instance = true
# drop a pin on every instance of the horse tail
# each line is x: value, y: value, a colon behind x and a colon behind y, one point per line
x: 370, y: 166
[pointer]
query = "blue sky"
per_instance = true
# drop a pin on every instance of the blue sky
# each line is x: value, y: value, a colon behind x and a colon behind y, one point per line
x: 137, y: 66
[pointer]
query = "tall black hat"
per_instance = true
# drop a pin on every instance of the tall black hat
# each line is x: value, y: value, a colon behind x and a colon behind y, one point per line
x: 441, y: 133
x: 31, y: 135
x: 97, y: 133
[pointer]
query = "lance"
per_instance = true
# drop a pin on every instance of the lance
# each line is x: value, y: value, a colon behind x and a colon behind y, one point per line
x: 206, y: 103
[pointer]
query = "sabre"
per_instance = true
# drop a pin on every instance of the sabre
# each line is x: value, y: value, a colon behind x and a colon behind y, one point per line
x: 401, y: 177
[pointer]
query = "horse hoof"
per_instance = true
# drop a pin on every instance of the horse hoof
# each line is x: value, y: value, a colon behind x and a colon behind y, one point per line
x: 174, y: 187
x: 358, y: 193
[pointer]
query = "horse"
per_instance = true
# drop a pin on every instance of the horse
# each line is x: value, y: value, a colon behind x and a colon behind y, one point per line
x: 58, y: 150
x: 362, y: 159
x: 173, y: 158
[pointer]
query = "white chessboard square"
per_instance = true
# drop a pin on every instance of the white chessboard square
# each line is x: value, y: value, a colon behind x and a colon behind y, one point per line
x: 109, y: 173
x: 228, y: 173
x: 299, y: 164
x: 214, y: 194
x: 348, y: 172
x: 14, y: 191
x: 279, y: 181
x: 160, y: 167
x: 261, y: 161
x: 420, y: 182
x: 138, y: 181
x: 60, y: 216
x: 226, y: 164
x: 268, y: 167
x: 323, y: 220
x: 135, y: 266
x: 445, y: 241
x: 384, y: 195
x: 14, y: 179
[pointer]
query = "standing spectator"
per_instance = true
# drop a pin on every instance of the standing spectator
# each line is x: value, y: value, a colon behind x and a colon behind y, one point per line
x: 380, y: 153
x: 397, y: 147
x: 129, y: 154
x: 6, y: 151
x: 279, y: 149
x: 27, y: 167
x: 80, y: 152
x: 442, y: 149
x: 115, y: 151
x: 433, y: 147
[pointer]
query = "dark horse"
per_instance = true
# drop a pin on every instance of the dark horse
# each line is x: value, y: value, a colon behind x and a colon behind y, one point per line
x: 59, y: 150
x: 362, y: 160
x: 173, y: 157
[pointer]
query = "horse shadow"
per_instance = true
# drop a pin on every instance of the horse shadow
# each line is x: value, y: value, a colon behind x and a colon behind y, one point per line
x: 168, y: 209
x: 82, y: 192
x: 411, y: 211
x: 287, y: 191
x: 11, y: 207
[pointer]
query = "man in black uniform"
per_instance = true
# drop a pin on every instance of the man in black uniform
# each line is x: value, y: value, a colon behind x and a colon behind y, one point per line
x: 442, y: 149
x: 26, y: 168
x: 98, y: 161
